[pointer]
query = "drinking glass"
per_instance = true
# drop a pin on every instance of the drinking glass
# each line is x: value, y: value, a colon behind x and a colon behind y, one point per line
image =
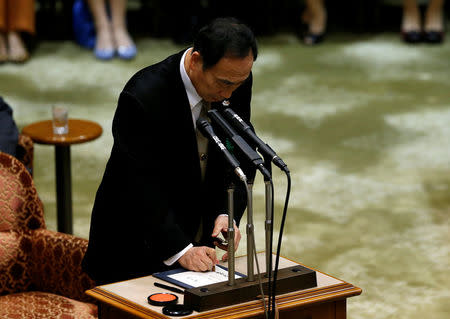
x: 60, y: 120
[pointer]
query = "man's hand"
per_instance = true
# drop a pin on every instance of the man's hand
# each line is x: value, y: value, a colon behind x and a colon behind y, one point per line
x: 221, y: 226
x: 199, y: 259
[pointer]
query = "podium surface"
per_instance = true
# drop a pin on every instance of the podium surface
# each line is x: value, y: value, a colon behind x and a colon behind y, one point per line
x: 128, y: 299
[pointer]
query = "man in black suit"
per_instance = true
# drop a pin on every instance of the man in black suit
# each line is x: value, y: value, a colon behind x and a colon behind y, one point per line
x: 159, y: 205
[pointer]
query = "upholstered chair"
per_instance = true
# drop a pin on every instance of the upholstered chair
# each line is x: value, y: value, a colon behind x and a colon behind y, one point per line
x: 25, y: 151
x: 40, y: 270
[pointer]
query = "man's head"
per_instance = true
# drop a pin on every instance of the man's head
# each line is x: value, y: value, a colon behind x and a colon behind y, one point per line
x: 222, y: 58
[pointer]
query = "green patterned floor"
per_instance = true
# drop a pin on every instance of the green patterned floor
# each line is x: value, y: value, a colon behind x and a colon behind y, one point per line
x: 363, y: 123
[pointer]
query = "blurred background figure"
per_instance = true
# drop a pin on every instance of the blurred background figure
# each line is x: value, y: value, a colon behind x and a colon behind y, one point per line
x: 9, y: 134
x: 111, y: 30
x: 16, y: 16
x: 315, y: 18
x: 431, y: 30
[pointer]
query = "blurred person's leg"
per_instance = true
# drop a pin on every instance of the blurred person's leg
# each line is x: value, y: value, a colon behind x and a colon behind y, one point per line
x: 104, y: 43
x: 315, y: 16
x: 434, y: 22
x: 17, y: 51
x: 3, y: 48
x: 411, y: 16
x: 317, y: 19
x: 411, y: 22
x: 20, y: 17
x: 124, y: 44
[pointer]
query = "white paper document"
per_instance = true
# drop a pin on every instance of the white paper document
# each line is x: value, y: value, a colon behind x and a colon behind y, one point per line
x: 197, y: 279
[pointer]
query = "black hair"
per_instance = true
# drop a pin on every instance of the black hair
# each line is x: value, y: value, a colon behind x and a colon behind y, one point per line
x: 224, y: 37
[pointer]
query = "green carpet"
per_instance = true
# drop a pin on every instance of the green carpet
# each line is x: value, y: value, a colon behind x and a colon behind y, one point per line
x: 363, y: 123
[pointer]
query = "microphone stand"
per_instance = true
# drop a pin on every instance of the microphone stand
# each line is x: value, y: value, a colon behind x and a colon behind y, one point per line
x: 250, y: 233
x: 230, y: 233
x: 269, y: 216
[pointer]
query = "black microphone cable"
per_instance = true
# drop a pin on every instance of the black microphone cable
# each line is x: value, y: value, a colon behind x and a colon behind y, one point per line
x: 266, y: 309
x: 269, y: 271
x: 280, y: 237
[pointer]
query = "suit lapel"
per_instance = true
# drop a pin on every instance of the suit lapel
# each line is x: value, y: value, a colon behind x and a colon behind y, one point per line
x: 186, y: 132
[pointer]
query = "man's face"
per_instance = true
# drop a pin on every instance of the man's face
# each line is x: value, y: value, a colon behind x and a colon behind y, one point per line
x: 218, y: 82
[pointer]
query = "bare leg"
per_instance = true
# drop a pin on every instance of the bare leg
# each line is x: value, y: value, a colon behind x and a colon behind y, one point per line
x: 411, y: 16
x: 17, y: 51
x: 118, y: 17
x: 434, y: 22
x: 3, y: 49
x: 104, y: 38
x: 433, y: 16
x: 316, y: 16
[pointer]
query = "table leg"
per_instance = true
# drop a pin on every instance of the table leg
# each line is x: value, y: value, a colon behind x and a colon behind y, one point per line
x: 63, y: 189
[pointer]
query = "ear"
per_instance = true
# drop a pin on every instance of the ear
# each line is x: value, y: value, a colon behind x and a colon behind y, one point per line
x: 196, y: 61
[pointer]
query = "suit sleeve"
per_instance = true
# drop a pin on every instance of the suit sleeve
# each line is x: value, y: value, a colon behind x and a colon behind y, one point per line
x: 141, y: 146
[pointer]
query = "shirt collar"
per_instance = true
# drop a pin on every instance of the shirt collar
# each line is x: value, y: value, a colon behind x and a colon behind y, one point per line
x: 192, y: 94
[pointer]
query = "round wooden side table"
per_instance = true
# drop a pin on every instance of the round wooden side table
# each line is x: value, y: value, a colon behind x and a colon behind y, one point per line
x: 80, y: 131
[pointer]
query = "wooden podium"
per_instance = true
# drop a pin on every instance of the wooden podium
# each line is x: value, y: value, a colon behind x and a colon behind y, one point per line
x: 128, y: 299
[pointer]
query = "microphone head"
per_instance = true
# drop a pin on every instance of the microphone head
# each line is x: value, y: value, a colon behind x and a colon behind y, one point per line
x: 204, y: 127
x: 202, y: 122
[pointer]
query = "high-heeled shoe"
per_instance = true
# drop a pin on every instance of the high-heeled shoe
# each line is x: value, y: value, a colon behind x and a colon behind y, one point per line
x: 104, y: 54
x: 412, y: 36
x: 434, y: 26
x: 313, y: 38
x: 434, y: 37
x: 314, y: 21
x: 127, y: 52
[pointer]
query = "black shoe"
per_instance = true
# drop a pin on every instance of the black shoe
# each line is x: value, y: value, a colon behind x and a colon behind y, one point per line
x: 313, y: 38
x: 434, y: 37
x: 412, y: 36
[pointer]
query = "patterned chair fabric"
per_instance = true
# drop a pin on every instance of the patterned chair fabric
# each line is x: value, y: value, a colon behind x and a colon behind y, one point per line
x: 14, y: 252
x: 40, y: 270
x: 35, y: 304
x: 55, y: 264
x: 20, y: 207
x: 25, y: 151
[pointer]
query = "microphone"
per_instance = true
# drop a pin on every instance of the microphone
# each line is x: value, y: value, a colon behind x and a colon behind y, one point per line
x: 239, y: 123
x: 249, y: 152
x: 207, y: 131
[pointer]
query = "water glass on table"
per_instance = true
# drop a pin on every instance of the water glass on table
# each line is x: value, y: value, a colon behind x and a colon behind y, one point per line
x: 60, y: 120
